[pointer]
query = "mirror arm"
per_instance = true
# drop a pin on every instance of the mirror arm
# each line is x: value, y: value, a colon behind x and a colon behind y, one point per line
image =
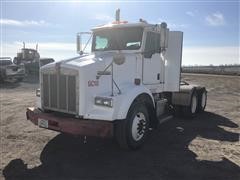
x: 87, y: 43
x: 98, y: 76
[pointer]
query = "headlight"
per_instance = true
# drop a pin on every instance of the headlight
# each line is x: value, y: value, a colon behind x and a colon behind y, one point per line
x: 103, y: 101
x: 38, y: 93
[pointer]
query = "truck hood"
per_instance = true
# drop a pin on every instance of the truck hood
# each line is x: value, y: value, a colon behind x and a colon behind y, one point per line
x: 83, y: 61
x: 91, y: 59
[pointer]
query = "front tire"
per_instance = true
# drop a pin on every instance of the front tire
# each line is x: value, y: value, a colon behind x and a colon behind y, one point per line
x: 132, y: 131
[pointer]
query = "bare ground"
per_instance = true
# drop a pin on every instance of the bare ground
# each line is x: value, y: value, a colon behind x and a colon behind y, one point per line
x: 206, y: 147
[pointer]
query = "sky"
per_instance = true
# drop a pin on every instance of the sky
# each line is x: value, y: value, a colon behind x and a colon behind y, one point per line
x: 211, y: 28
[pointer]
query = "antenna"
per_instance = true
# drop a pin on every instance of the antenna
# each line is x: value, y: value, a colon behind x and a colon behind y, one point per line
x: 24, y: 45
x: 37, y: 47
x: 117, y: 16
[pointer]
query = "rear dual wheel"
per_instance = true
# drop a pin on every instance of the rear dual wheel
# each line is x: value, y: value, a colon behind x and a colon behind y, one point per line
x: 202, y: 100
x: 197, y: 104
x: 191, y: 109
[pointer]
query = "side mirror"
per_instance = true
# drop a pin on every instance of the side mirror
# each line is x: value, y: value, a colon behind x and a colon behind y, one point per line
x: 80, y: 49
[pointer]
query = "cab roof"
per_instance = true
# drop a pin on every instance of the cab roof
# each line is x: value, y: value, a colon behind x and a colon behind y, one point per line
x: 121, y: 24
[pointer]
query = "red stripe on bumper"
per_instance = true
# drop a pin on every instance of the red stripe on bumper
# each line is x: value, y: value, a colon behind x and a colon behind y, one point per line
x: 71, y: 125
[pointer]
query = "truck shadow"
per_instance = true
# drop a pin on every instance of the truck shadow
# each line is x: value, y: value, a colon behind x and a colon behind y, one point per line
x: 166, y: 155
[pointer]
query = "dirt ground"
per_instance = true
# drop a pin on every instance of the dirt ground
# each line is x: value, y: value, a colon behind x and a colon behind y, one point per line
x: 206, y: 147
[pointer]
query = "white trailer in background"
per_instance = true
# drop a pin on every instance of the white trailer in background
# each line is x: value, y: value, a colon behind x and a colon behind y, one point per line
x: 127, y: 84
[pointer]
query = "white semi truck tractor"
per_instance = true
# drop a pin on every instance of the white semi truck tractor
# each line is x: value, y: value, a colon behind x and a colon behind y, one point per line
x: 126, y: 86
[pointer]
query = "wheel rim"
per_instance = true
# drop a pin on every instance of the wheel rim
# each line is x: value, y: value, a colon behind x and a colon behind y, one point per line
x: 194, y: 104
x: 138, y: 126
x: 203, y: 102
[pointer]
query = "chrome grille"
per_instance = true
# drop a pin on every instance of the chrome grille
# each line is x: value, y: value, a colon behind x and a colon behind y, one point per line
x: 60, y: 92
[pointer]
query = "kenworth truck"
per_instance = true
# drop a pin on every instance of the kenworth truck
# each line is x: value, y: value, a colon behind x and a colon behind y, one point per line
x: 126, y: 86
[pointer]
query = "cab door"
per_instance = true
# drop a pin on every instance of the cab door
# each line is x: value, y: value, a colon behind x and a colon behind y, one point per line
x: 152, y: 61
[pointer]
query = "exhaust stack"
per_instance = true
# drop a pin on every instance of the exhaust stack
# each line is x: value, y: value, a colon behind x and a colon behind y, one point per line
x: 117, y: 16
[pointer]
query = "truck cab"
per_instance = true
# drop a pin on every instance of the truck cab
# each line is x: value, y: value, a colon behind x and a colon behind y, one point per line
x: 127, y: 84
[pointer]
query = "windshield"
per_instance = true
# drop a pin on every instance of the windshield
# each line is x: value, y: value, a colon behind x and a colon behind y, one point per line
x: 117, y: 39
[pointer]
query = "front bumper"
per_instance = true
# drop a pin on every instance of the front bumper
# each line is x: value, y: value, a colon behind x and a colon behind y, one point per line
x: 71, y: 125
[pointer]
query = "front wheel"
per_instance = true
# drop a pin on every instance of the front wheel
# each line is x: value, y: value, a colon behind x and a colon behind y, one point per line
x: 132, y: 132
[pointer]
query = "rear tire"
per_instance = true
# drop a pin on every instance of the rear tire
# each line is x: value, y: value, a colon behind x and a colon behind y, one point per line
x: 131, y: 132
x: 202, y: 101
x: 191, y: 110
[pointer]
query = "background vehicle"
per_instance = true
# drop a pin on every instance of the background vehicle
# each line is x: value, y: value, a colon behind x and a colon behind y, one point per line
x: 128, y: 84
x: 31, y: 59
x: 10, y: 71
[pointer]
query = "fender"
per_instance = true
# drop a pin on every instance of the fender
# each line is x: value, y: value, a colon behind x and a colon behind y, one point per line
x: 128, y: 97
